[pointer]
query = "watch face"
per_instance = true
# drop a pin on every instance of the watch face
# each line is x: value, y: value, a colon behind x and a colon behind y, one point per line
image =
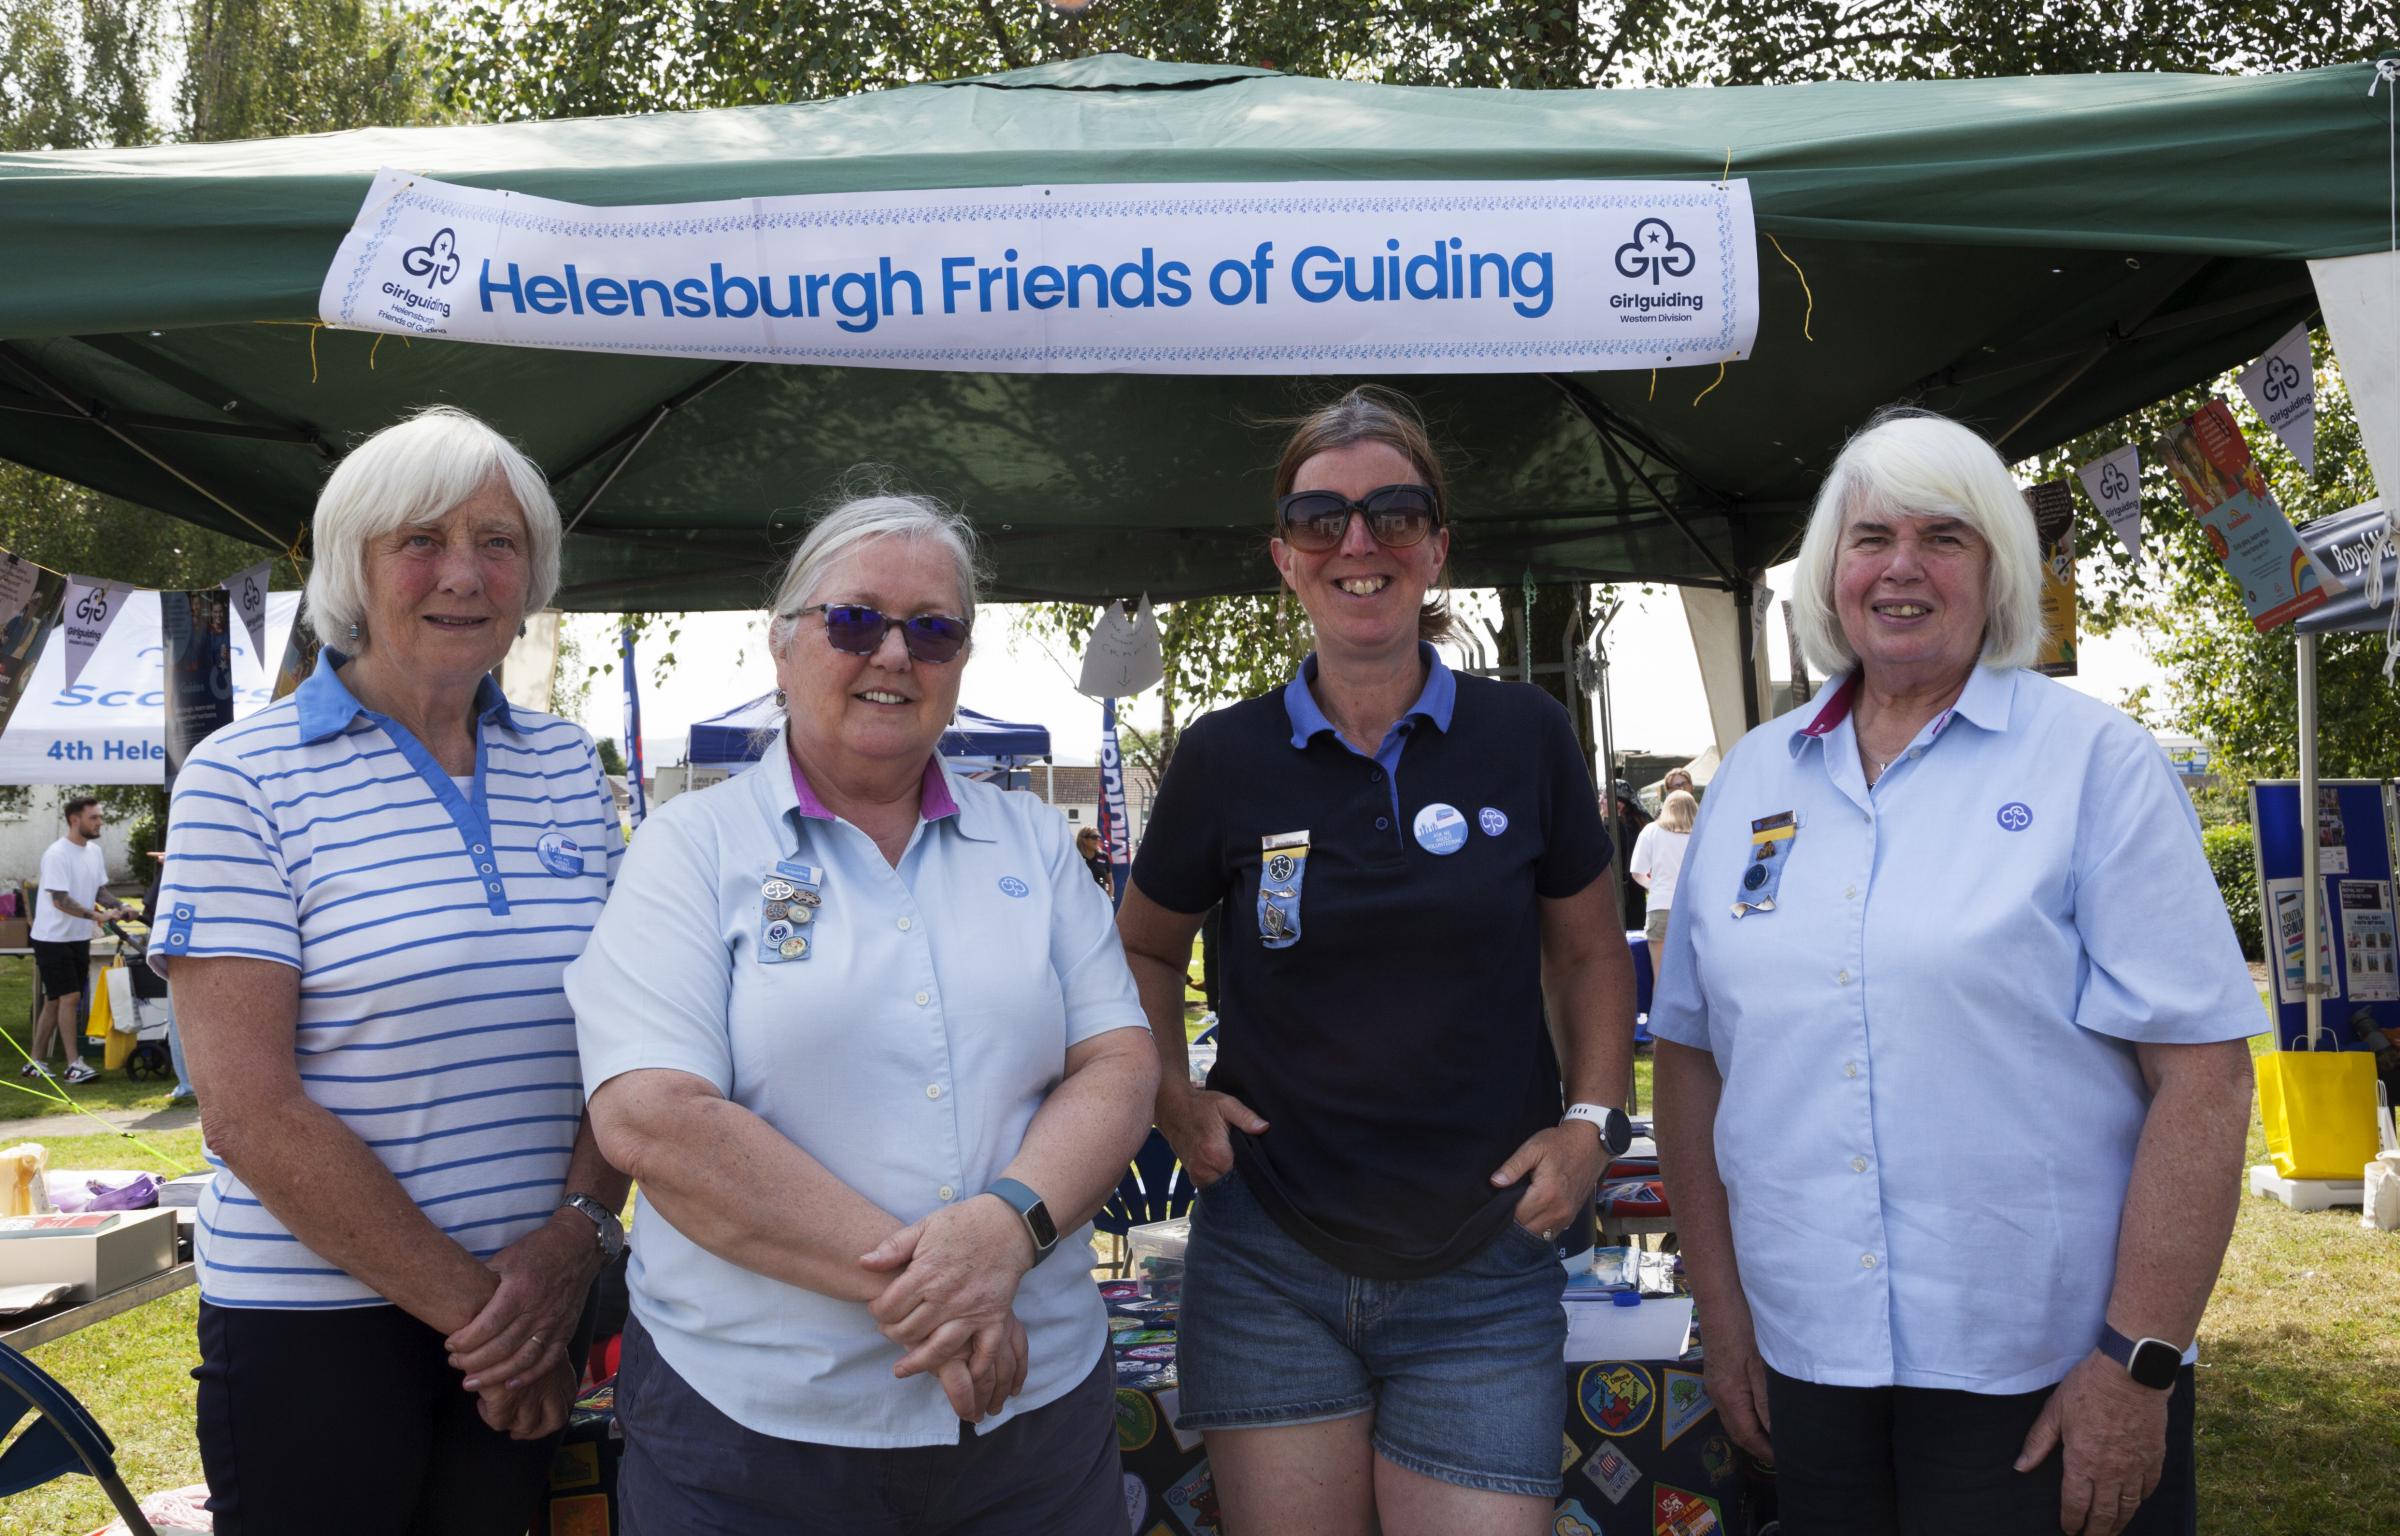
x: 1045, y: 1231
x: 2155, y: 1364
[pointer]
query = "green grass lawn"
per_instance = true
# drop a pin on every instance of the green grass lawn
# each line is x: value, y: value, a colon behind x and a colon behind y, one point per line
x: 2299, y: 1375
x: 22, y: 1099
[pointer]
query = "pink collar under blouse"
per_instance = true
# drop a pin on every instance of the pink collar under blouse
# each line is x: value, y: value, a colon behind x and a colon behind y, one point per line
x: 933, y: 793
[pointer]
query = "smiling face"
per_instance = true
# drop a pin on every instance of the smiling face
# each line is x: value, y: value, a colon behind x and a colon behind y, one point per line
x: 444, y: 599
x: 855, y: 713
x: 1911, y: 595
x: 1362, y: 598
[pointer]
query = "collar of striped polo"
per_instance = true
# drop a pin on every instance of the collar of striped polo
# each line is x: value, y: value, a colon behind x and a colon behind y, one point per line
x: 327, y: 705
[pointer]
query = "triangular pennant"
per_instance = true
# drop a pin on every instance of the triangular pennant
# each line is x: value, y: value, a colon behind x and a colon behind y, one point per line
x: 2114, y: 482
x: 2282, y: 388
x: 249, y: 589
x: 91, y: 608
x: 1123, y: 656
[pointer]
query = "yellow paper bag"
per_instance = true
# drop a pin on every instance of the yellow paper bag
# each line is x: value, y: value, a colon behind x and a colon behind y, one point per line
x: 2319, y: 1111
x: 116, y: 1045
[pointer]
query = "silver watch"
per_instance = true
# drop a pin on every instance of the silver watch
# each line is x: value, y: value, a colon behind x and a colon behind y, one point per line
x: 610, y: 1231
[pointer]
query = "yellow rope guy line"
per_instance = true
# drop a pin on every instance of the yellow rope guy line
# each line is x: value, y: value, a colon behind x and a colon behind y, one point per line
x: 1712, y: 384
x: 1809, y: 315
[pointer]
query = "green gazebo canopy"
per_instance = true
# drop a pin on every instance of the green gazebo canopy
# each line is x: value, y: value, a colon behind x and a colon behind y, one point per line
x: 2037, y: 256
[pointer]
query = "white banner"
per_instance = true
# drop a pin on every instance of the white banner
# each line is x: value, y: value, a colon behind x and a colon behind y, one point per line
x: 2361, y: 294
x: 2114, y: 482
x: 249, y: 591
x: 92, y: 606
x: 1274, y: 277
x: 2282, y: 387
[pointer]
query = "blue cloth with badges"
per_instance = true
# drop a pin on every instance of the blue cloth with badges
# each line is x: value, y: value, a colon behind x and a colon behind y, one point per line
x: 1380, y: 1000
x: 1931, y: 1096
x: 431, y: 922
x: 905, y: 1045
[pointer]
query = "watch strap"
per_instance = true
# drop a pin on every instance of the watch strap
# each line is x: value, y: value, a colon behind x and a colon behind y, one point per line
x: 2152, y: 1363
x: 607, y: 1230
x: 1025, y: 1202
x: 1616, y: 1132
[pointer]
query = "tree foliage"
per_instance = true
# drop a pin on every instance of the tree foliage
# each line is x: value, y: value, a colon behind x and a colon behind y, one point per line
x: 268, y: 68
x: 76, y: 73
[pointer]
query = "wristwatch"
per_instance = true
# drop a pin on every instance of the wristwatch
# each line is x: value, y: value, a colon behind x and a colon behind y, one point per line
x: 610, y: 1231
x: 1616, y: 1132
x: 2153, y: 1363
x: 1036, y: 1215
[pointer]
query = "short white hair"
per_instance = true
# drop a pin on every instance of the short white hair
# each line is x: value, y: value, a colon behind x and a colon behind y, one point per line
x: 409, y: 475
x: 881, y: 515
x: 1912, y: 463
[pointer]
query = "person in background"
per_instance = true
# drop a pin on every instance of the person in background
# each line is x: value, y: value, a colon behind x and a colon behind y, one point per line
x: 1087, y: 844
x: 1951, y: 1076
x: 1675, y: 779
x: 1657, y: 860
x: 67, y: 912
x: 1627, y: 822
x: 373, y: 887
x: 1410, y: 863
x: 861, y: 1031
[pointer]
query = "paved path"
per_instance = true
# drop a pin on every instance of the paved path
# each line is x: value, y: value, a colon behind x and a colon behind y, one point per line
x: 139, y: 1121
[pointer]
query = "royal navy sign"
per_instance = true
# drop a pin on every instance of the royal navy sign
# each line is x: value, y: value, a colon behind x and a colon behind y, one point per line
x: 1280, y: 277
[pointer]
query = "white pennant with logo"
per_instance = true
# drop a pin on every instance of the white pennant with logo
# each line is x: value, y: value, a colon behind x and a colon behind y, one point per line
x: 249, y: 589
x: 1123, y: 656
x: 91, y: 607
x: 2114, y: 482
x: 2282, y: 387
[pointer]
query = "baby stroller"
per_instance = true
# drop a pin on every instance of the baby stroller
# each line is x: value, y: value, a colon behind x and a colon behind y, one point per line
x: 137, y: 1004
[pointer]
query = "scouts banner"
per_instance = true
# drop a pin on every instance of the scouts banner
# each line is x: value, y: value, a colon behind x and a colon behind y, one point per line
x: 1236, y: 278
x: 2211, y: 462
x: 1116, y: 838
x: 197, y: 628
x: 29, y: 602
x: 2114, y: 482
x: 2053, y: 507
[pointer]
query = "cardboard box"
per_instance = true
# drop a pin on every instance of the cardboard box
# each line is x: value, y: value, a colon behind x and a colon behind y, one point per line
x: 16, y: 933
x: 137, y: 1245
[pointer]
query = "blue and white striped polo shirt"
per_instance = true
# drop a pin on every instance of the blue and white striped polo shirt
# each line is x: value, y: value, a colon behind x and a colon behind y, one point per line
x: 430, y: 928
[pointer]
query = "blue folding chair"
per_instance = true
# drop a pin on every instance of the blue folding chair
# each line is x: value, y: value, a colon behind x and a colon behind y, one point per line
x: 1154, y: 1188
x: 62, y: 1439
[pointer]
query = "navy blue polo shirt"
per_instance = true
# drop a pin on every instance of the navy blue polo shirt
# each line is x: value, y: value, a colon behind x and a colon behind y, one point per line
x: 1396, y: 1046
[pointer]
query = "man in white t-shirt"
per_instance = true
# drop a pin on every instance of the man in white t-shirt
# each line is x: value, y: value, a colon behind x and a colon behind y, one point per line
x: 65, y: 914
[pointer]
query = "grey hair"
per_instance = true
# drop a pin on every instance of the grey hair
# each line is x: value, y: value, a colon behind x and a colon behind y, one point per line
x: 1913, y: 463
x: 409, y: 475
x: 854, y: 521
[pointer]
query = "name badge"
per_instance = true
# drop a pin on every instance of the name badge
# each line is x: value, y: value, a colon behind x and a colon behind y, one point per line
x: 1772, y: 839
x: 788, y: 903
x: 1282, y: 865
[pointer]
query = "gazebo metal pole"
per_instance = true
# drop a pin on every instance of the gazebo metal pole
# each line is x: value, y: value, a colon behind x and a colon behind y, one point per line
x: 2312, y: 985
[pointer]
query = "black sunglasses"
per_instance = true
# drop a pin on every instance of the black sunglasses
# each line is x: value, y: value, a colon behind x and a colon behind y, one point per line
x: 1396, y: 517
x: 859, y: 630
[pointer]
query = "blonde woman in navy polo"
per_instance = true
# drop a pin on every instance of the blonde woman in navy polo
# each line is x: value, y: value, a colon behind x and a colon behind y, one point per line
x: 1410, y: 862
x: 371, y: 891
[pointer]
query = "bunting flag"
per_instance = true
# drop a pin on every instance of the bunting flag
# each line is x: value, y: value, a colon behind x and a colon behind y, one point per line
x: 1115, y: 836
x: 92, y: 605
x: 2114, y: 482
x: 248, y: 590
x: 2279, y: 577
x: 196, y: 631
x: 2282, y: 388
x: 638, y: 803
x: 30, y: 598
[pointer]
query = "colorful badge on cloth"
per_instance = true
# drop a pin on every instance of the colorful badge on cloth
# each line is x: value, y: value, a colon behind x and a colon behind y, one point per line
x: 1282, y: 865
x: 1771, y: 842
x: 1493, y: 821
x: 788, y: 902
x: 1440, y: 829
x: 560, y: 854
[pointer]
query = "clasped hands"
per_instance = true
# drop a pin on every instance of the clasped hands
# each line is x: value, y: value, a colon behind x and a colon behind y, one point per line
x: 949, y: 1303
x: 513, y: 1355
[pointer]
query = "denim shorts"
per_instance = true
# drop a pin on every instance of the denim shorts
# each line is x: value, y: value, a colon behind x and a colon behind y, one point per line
x: 1462, y: 1370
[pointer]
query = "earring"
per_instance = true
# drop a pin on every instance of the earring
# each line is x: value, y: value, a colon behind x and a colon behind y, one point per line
x: 354, y: 634
x: 520, y: 630
x: 779, y: 698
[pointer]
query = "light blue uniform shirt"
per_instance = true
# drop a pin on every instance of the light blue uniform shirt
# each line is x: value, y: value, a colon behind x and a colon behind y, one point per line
x: 1931, y: 1098
x: 907, y: 1053
x: 430, y: 919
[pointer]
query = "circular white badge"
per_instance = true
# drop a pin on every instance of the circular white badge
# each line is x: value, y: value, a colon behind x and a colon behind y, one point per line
x: 1441, y: 829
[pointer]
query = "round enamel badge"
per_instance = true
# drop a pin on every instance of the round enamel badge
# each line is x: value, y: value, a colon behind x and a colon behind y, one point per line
x: 1441, y: 829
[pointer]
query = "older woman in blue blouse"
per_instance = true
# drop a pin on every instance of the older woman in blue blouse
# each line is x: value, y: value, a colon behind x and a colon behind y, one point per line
x: 862, y: 1033
x: 1952, y: 1086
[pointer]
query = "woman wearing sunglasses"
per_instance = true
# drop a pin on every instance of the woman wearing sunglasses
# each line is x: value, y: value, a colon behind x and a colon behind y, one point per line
x: 1410, y: 863
x: 863, y: 1036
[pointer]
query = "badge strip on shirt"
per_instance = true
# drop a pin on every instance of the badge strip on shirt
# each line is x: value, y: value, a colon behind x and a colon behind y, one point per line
x: 1282, y: 865
x: 788, y: 903
x: 1772, y: 839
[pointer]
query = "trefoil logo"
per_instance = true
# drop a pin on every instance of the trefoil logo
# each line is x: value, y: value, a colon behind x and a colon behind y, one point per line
x: 436, y: 260
x: 1655, y: 252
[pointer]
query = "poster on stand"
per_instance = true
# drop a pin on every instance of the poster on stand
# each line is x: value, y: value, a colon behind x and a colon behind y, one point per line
x: 2368, y: 973
x: 197, y: 630
x: 29, y: 602
x: 2283, y: 924
x: 2211, y: 462
x: 2053, y: 507
x: 2333, y: 838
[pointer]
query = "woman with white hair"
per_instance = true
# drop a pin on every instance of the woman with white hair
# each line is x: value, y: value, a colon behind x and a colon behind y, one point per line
x: 1951, y: 1086
x: 372, y: 888
x: 861, y: 1031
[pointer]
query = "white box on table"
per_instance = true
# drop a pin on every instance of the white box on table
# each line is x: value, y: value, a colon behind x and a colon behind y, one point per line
x: 137, y: 1245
